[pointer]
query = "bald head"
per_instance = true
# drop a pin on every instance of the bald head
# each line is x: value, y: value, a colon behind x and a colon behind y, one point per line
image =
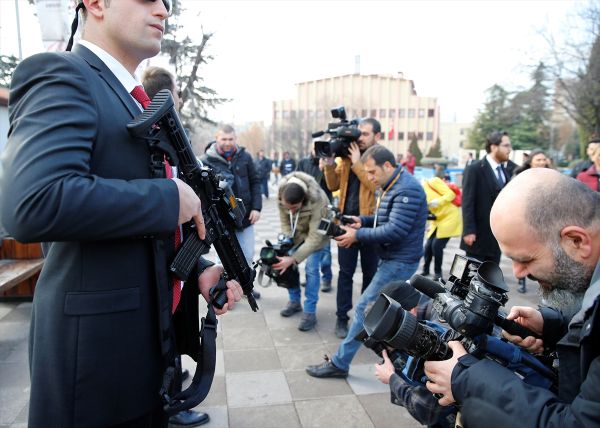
x: 544, y: 201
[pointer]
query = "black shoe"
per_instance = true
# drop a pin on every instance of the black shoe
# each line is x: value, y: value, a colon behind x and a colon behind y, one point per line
x: 291, y: 309
x: 326, y: 286
x: 326, y: 369
x: 424, y: 273
x: 184, y: 374
x: 256, y: 294
x: 303, y: 284
x: 307, y: 322
x: 436, y: 277
x: 188, y: 418
x: 522, y: 287
x: 341, y: 328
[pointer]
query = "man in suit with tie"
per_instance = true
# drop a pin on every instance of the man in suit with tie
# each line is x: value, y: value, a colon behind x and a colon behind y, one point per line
x: 482, y: 182
x: 73, y: 178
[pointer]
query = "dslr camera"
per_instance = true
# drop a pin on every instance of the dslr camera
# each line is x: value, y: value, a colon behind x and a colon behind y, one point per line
x: 268, y: 257
x: 329, y: 225
x: 341, y: 133
x: 469, y: 303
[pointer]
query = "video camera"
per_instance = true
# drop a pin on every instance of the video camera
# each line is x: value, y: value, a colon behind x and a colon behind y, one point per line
x: 269, y: 256
x: 342, y: 134
x: 469, y: 302
x: 329, y: 225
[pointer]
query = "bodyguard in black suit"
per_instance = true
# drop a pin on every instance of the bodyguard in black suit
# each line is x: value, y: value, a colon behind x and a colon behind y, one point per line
x: 73, y: 178
x: 482, y: 182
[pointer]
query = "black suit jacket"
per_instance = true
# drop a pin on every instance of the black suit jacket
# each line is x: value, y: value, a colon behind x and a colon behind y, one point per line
x: 479, y: 191
x: 73, y: 178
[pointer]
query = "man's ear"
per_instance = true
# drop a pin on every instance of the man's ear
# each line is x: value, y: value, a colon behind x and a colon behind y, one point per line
x: 576, y: 242
x: 95, y: 7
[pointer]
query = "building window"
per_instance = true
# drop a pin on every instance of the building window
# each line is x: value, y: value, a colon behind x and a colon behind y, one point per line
x: 411, y: 112
x: 411, y: 136
x: 354, y: 113
x: 363, y: 113
x: 301, y: 114
x: 419, y: 136
x: 373, y: 113
x: 383, y: 134
x: 392, y: 113
x: 382, y: 113
x: 429, y: 136
x: 293, y: 114
x: 430, y: 112
x: 311, y: 114
x: 462, y: 131
x: 401, y: 136
x: 421, y: 112
x: 286, y: 114
x: 401, y: 113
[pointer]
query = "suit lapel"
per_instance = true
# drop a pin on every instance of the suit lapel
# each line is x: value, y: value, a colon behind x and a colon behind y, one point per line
x: 108, y: 76
x: 490, y: 175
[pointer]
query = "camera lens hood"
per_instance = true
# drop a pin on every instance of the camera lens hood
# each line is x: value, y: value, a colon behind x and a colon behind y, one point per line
x: 490, y: 274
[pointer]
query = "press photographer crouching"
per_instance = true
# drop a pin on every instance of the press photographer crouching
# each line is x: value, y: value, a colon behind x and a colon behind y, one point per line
x: 302, y: 204
x: 549, y: 225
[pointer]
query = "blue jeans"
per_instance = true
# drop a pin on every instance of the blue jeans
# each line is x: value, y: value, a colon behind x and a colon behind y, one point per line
x: 311, y: 291
x: 387, y: 271
x: 348, y: 257
x: 326, y: 274
x: 264, y: 186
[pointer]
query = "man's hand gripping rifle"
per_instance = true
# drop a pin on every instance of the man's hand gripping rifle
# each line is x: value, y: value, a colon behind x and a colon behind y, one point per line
x: 161, y: 128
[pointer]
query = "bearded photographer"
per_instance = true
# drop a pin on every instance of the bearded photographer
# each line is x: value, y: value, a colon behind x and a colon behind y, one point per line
x: 397, y: 230
x: 302, y: 204
x: 549, y: 225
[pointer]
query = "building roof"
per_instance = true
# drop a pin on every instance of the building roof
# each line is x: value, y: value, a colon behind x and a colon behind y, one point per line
x: 3, y: 97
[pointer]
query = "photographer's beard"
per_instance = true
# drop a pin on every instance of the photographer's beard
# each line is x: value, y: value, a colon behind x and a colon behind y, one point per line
x: 565, y: 287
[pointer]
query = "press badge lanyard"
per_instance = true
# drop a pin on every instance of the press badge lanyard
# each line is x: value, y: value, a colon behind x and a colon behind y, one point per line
x: 383, y: 194
x: 294, y: 222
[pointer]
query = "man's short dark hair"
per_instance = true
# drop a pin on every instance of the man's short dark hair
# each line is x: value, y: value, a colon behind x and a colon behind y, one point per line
x: 569, y: 203
x: 494, y: 139
x: 375, y: 125
x: 379, y: 154
x: 156, y: 79
x: 293, y: 193
x: 226, y: 129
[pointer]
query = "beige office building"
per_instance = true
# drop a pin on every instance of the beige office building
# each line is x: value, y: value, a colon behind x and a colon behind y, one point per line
x: 391, y: 99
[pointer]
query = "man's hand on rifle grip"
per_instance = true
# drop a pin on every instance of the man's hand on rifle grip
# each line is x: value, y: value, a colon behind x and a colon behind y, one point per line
x: 190, y: 207
x: 211, y: 277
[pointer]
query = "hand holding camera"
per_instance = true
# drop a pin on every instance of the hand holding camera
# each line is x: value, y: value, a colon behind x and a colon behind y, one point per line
x: 284, y: 263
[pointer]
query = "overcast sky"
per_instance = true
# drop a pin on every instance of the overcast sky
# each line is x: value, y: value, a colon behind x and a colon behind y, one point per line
x: 452, y: 50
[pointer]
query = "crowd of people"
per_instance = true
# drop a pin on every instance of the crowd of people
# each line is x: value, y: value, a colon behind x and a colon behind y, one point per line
x: 111, y: 212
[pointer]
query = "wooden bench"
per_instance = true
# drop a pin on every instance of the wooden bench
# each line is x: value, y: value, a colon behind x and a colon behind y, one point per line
x: 20, y: 266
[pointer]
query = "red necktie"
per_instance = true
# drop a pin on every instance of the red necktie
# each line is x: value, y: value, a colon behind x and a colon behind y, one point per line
x: 140, y: 95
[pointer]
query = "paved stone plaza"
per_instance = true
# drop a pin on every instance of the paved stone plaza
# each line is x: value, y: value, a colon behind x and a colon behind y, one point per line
x: 260, y: 380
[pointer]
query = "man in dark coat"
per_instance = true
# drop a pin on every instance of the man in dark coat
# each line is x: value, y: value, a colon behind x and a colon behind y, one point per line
x: 549, y: 225
x: 236, y: 167
x: 263, y: 166
x: 482, y: 182
x: 73, y: 178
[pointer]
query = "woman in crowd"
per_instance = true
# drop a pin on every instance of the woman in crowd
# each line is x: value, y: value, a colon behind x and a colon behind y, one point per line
x: 446, y: 222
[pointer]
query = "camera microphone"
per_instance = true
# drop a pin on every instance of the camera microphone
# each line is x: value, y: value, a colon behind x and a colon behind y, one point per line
x: 427, y: 286
x: 318, y: 134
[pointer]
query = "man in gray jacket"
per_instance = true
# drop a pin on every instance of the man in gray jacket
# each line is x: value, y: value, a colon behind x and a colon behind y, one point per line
x: 397, y: 228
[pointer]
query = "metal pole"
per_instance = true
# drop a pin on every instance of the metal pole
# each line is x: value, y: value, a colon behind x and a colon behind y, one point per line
x: 18, y: 29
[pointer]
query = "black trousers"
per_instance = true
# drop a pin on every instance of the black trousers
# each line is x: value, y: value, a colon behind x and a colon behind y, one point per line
x: 434, y: 249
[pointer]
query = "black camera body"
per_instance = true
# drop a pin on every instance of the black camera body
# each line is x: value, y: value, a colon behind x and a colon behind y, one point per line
x: 469, y: 303
x: 268, y: 257
x: 329, y: 225
x: 341, y: 133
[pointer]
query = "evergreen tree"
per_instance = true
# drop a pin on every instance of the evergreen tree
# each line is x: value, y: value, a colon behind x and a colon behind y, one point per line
x: 435, y: 150
x: 8, y: 63
x: 415, y: 150
x: 187, y: 58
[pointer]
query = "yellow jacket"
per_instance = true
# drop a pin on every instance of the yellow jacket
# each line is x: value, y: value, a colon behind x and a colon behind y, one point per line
x: 448, y: 216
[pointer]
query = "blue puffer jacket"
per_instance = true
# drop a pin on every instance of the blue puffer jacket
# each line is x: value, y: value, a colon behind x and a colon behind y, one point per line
x: 401, y: 219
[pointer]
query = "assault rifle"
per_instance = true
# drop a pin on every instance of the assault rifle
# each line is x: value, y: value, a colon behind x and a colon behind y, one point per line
x: 160, y: 127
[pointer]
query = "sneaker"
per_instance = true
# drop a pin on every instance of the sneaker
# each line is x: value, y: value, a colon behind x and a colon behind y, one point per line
x: 188, y: 418
x: 326, y: 369
x: 307, y: 322
x: 256, y: 294
x: 291, y: 309
x: 436, y: 277
x: 341, y: 328
x: 326, y: 286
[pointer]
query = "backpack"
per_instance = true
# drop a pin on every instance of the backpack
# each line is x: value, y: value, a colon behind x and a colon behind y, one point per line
x: 457, y: 199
